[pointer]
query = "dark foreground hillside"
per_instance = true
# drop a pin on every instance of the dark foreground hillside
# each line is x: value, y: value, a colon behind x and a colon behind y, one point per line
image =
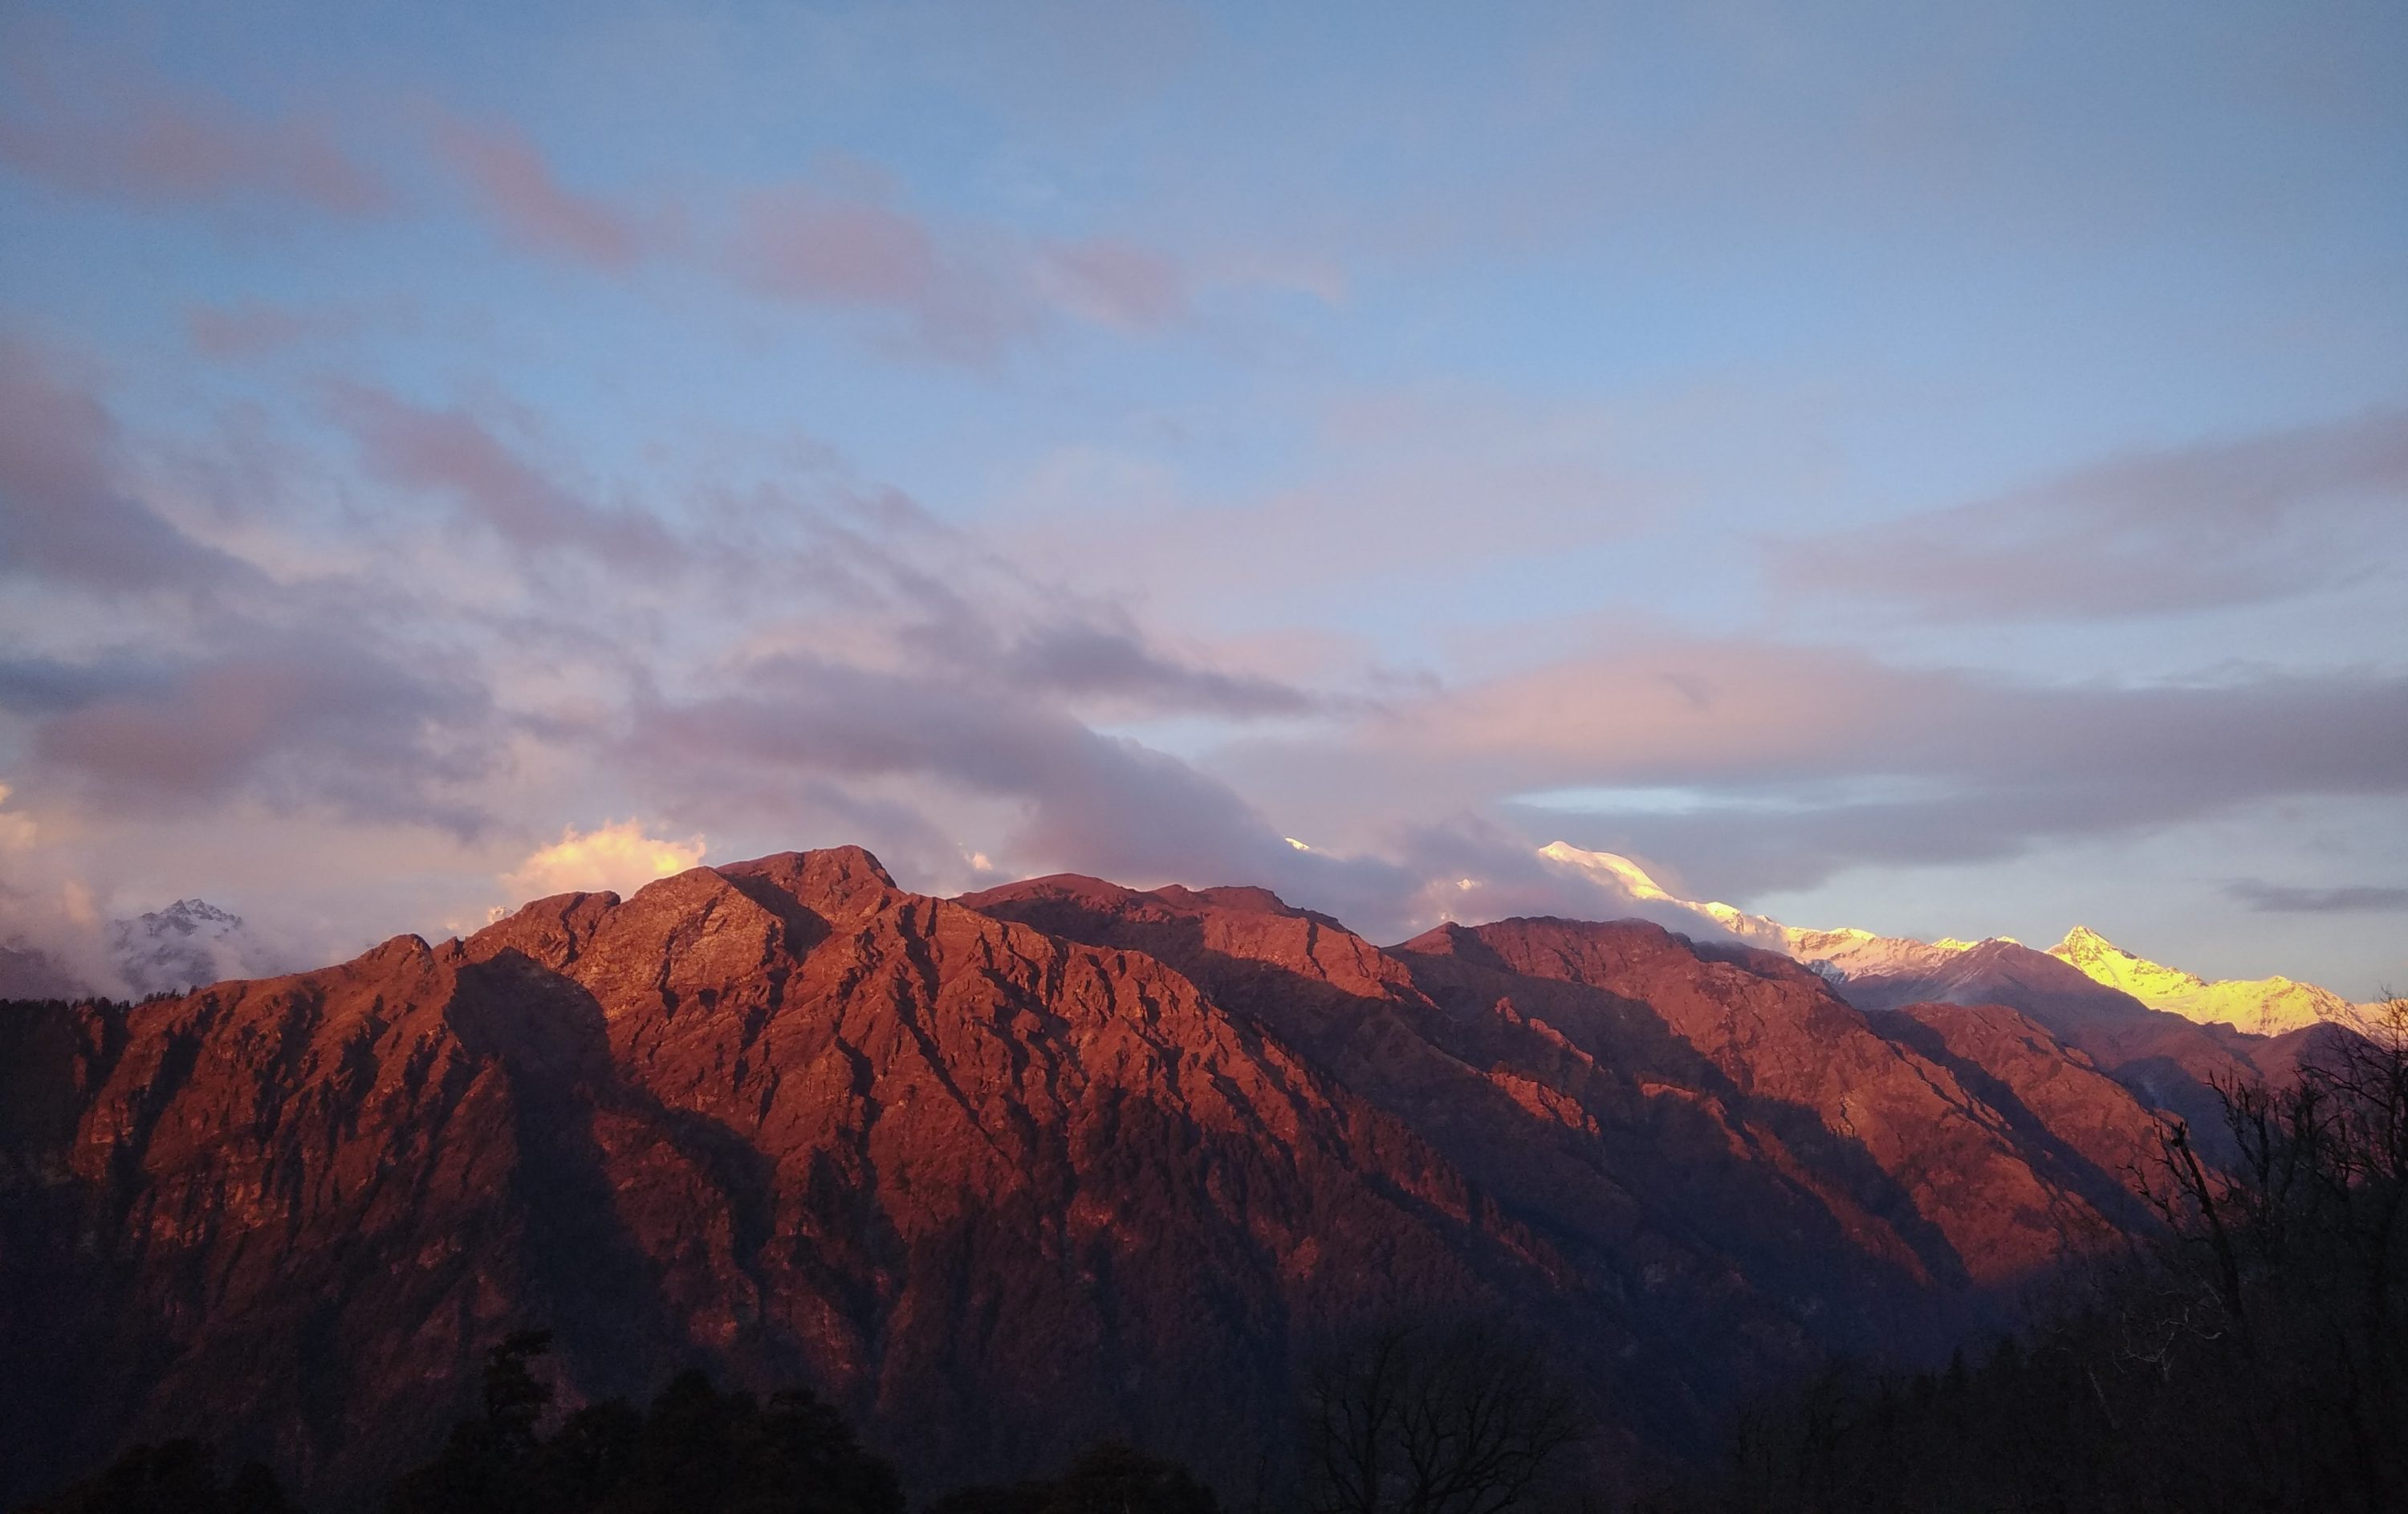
x: 1002, y: 1178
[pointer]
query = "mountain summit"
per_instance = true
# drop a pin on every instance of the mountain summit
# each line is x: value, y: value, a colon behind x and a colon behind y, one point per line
x: 2263, y: 1006
x: 190, y: 942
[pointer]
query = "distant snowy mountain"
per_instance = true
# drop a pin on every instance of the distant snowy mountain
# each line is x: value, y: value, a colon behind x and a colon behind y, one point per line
x: 1841, y: 953
x: 2260, y: 1006
x: 189, y: 944
x: 2263, y: 1006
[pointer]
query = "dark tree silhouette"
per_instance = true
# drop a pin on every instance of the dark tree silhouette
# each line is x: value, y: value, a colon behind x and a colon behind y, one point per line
x: 176, y: 1478
x: 697, y: 1451
x: 1456, y: 1421
x: 1111, y: 1478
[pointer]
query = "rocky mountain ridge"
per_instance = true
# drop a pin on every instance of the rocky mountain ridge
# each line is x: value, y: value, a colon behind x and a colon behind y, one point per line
x: 1005, y: 1174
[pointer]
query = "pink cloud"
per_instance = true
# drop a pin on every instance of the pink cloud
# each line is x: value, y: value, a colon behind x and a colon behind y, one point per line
x: 248, y: 328
x: 960, y: 303
x: 1117, y: 284
x: 799, y: 244
x: 450, y: 454
x: 965, y: 294
x: 517, y: 187
x: 131, y: 136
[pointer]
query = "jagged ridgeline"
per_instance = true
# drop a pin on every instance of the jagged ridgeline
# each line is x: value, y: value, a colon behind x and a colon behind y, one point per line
x: 1002, y: 1176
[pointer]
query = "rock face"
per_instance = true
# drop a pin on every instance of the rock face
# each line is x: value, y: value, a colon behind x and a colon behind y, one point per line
x: 1000, y: 1174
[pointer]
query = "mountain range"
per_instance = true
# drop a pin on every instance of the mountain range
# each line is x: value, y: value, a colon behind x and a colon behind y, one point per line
x: 1003, y: 1174
x: 2261, y: 1006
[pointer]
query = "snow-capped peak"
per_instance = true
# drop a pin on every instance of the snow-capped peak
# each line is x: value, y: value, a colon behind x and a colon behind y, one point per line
x: 190, y: 942
x: 1616, y: 872
x: 2265, y: 1006
x: 1835, y: 954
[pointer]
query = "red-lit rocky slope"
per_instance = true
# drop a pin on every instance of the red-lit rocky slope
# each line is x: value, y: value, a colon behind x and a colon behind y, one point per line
x: 998, y: 1175
x: 2167, y: 1060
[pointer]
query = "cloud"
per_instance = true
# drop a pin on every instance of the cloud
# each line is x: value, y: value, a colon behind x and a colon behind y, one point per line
x: 874, y: 579
x: 17, y: 830
x: 965, y: 293
x: 1118, y: 283
x: 2218, y: 524
x: 1073, y: 799
x: 1085, y: 799
x: 305, y: 718
x: 61, y: 517
x: 1761, y: 766
x: 1380, y: 504
x: 517, y: 187
x: 249, y: 328
x: 450, y: 454
x: 1110, y: 659
x: 855, y: 250
x: 114, y: 130
x: 2285, y: 899
x: 619, y: 856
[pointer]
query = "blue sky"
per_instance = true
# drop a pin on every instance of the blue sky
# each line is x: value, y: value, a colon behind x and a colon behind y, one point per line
x: 1942, y: 469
